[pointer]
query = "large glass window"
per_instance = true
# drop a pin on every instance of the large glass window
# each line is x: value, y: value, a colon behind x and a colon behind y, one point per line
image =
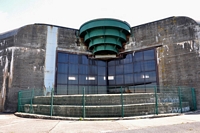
x: 77, y: 70
x: 137, y: 70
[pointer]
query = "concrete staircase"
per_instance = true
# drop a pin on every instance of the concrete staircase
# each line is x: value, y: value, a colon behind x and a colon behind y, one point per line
x: 106, y: 105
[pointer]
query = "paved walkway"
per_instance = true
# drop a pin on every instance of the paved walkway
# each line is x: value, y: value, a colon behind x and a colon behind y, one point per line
x: 189, y: 122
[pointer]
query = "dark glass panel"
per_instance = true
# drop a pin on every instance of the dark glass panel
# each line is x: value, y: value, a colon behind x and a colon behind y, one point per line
x: 92, y: 62
x: 111, y: 70
x: 139, y: 78
x: 73, y: 69
x: 92, y: 70
x: 150, y: 76
x: 61, y: 89
x: 73, y: 58
x: 72, y: 89
x: 82, y: 79
x: 102, y: 89
x: 138, y: 67
x: 119, y: 79
x: 119, y: 69
x: 101, y: 70
x: 62, y: 78
x: 92, y: 80
x: 128, y: 68
x: 128, y: 59
x: 128, y: 79
x: 92, y: 89
x: 101, y: 80
x: 62, y: 68
x: 119, y: 62
x: 84, y: 59
x: 101, y: 63
x: 149, y: 55
x: 62, y: 57
x: 111, y: 81
x: 73, y: 79
x: 83, y: 69
x: 138, y: 56
x: 111, y: 63
x: 149, y: 65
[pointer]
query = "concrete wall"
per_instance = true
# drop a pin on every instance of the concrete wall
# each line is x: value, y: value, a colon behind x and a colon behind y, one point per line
x: 178, y: 53
x: 22, y: 63
x: 27, y: 59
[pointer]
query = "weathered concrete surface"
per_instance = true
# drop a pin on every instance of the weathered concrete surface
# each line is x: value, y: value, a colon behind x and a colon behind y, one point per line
x: 106, y: 110
x: 184, y: 123
x: 22, y: 64
x: 22, y: 59
x: 106, y: 105
x: 178, y: 50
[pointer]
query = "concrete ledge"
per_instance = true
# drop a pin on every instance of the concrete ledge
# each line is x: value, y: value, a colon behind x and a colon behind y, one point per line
x: 27, y: 115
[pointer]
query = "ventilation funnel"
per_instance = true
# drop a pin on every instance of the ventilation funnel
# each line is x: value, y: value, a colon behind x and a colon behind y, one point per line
x: 104, y: 36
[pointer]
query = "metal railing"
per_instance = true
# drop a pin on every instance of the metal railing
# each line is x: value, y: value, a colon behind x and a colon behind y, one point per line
x: 154, y: 100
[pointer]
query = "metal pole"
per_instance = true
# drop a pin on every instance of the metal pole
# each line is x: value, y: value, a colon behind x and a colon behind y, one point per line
x: 180, y: 99
x: 122, y: 104
x: 83, y: 102
x: 32, y: 95
x: 19, y: 101
x: 194, y: 99
x: 156, y: 101
x: 52, y: 101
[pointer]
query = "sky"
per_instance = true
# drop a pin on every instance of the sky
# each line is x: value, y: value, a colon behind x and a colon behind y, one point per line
x: 73, y: 13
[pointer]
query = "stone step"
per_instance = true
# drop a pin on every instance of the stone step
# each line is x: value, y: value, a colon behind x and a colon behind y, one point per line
x: 104, y: 99
x: 106, y: 110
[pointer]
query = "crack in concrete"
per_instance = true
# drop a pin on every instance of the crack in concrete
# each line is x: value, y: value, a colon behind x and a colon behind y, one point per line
x: 54, y: 126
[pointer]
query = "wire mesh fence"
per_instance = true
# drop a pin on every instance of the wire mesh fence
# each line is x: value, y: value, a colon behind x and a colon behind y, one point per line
x: 124, y: 102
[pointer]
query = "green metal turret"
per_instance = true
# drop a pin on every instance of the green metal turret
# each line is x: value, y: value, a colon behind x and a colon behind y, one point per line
x: 104, y: 36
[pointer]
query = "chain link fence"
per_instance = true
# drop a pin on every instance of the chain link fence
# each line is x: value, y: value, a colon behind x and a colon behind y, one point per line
x: 128, y: 101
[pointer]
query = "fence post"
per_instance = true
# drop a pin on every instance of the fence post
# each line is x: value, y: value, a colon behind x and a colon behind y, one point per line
x: 83, y: 101
x: 194, y: 99
x: 31, y: 107
x: 156, y: 100
x: 52, y: 93
x: 180, y: 99
x: 19, y: 101
x: 122, y: 103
